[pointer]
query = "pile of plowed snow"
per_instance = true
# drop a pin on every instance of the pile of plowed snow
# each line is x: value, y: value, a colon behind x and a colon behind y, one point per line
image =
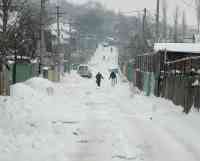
x: 39, y: 84
x: 31, y: 88
x: 24, y: 105
x: 22, y: 90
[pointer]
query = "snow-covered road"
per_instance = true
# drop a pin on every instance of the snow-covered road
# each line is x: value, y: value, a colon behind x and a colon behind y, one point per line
x: 80, y: 122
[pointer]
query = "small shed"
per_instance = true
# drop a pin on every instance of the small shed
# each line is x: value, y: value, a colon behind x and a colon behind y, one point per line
x: 177, y: 55
x: 51, y: 73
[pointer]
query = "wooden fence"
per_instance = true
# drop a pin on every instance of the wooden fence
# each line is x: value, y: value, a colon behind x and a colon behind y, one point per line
x: 4, y: 81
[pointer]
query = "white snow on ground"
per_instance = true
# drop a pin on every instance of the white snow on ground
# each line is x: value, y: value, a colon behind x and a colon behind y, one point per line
x: 77, y: 121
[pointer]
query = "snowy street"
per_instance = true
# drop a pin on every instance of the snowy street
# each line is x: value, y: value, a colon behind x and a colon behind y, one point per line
x: 75, y: 121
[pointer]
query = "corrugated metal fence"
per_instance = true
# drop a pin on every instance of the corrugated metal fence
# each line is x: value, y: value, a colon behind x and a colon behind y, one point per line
x: 182, y: 90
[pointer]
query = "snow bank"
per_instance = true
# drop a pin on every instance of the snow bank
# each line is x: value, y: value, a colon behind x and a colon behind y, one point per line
x: 22, y: 90
x: 39, y: 84
x: 31, y: 88
x: 26, y: 131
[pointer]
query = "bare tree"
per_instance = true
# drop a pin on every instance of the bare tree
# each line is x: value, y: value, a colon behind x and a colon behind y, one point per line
x: 4, y: 16
x: 9, y: 15
x: 176, y: 24
x: 5, y: 7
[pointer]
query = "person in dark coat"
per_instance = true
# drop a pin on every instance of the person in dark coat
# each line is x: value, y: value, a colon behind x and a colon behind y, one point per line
x: 113, y: 78
x: 99, y: 76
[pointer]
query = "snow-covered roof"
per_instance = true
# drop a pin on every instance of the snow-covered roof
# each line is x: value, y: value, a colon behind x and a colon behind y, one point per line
x: 10, y: 62
x: 46, y: 68
x: 34, y: 61
x: 110, y: 38
x: 178, y: 47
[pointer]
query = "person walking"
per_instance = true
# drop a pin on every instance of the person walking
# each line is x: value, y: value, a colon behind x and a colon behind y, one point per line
x: 113, y: 78
x: 99, y: 76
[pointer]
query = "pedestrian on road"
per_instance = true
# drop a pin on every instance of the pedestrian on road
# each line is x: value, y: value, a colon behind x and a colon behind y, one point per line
x: 99, y: 76
x: 113, y: 78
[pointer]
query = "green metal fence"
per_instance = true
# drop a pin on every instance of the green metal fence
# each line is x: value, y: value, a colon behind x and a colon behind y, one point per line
x: 152, y: 83
x: 147, y: 84
x: 145, y: 81
x: 149, y: 81
x: 130, y: 71
x: 24, y: 71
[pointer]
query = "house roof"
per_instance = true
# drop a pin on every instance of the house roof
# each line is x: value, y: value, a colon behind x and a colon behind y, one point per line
x: 178, y: 47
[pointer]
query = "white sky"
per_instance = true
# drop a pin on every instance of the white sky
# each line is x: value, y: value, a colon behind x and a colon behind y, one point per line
x: 129, y: 5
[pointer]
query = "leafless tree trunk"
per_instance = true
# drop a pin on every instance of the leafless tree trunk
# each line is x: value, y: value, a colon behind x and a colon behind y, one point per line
x: 5, y: 13
x: 5, y: 7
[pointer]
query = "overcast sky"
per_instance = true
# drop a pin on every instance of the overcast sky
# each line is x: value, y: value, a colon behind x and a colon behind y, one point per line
x: 129, y: 5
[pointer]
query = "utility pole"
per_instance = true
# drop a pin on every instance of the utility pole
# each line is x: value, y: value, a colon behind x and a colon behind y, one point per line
x: 144, y: 29
x: 176, y: 25
x: 58, y: 39
x: 71, y: 40
x: 70, y: 44
x: 60, y: 58
x: 58, y: 15
x: 58, y: 23
x: 70, y: 23
x: 164, y: 21
x: 157, y: 20
x: 144, y: 24
x: 42, y: 39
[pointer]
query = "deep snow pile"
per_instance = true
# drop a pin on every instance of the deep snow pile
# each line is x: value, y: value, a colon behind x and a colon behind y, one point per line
x: 79, y: 122
x: 27, y: 131
x: 31, y: 88
x: 39, y: 84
